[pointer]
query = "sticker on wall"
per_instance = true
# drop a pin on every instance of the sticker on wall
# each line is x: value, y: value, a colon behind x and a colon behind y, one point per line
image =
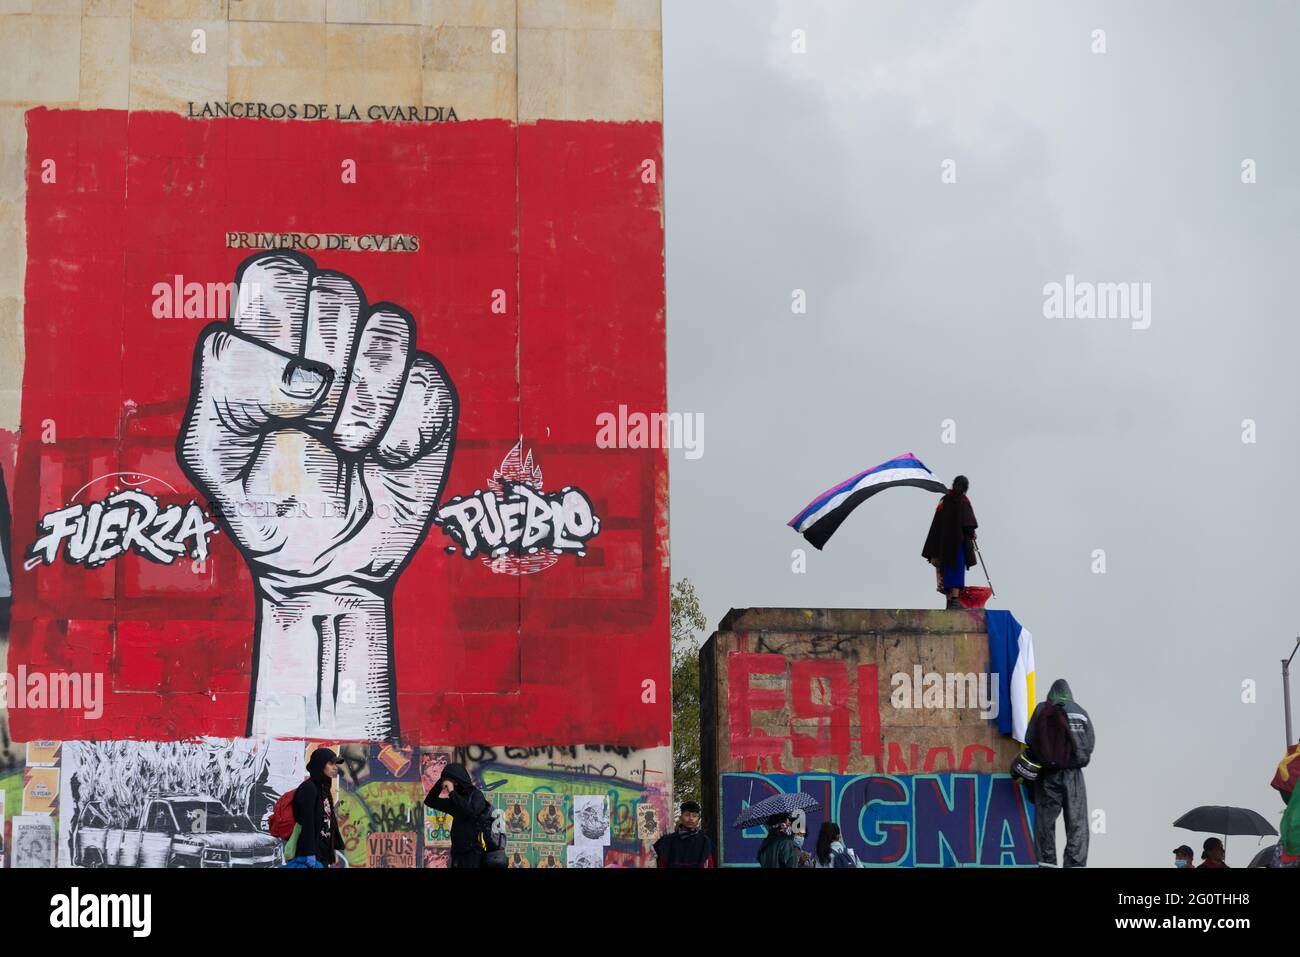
x: 33, y: 840
x: 433, y: 761
x: 437, y: 857
x: 43, y: 754
x: 517, y: 813
x: 518, y: 855
x: 549, y: 857
x: 647, y: 822
x: 40, y: 790
x: 550, y: 824
x: 585, y: 855
x: 591, y: 820
x: 437, y: 828
x: 396, y: 849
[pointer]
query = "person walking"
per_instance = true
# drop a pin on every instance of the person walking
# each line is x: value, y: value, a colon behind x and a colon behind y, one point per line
x: 316, y: 839
x: 777, y: 849
x: 1184, y: 856
x: 831, y: 849
x: 950, y: 544
x: 687, y: 846
x: 1060, y: 737
x: 454, y: 793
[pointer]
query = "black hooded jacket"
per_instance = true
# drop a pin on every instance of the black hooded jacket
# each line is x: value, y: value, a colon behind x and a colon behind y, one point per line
x: 467, y: 806
x: 313, y: 808
x: 1082, y: 732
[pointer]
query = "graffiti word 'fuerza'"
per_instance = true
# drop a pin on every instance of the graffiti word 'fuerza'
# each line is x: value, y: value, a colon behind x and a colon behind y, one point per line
x: 59, y: 691
x: 520, y: 521
x: 365, y: 243
x: 125, y: 521
x: 132, y: 911
x: 382, y: 112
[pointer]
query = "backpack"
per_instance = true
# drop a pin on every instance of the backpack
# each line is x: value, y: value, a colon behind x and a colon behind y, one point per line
x: 494, y: 846
x: 1054, y: 746
x: 282, y: 820
x: 843, y: 858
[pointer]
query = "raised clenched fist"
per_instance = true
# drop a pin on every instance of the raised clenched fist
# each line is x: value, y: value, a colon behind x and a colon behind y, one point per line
x: 321, y: 437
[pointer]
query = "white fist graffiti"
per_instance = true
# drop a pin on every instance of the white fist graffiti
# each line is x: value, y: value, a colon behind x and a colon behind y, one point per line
x: 321, y: 438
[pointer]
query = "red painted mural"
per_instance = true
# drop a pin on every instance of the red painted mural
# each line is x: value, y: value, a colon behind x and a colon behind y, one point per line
x: 447, y: 310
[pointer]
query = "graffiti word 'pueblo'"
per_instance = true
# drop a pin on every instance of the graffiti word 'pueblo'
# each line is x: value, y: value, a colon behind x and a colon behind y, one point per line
x: 125, y: 521
x: 521, y: 520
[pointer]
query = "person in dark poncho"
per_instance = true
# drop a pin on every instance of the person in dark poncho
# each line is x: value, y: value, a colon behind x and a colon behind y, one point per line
x: 687, y: 846
x: 471, y: 814
x: 950, y: 545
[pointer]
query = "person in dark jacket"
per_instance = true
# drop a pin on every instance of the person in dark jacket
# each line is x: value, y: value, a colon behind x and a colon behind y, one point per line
x: 1060, y: 789
x: 687, y: 846
x: 1212, y: 854
x: 950, y: 544
x: 455, y: 794
x: 777, y: 849
x: 314, y: 812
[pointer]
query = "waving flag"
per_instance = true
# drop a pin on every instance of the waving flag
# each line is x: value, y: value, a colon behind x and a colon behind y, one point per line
x: 823, y: 515
x: 1011, y: 658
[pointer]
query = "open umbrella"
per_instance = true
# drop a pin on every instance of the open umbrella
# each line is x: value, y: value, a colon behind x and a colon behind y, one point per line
x: 776, y: 804
x: 1220, y: 819
x: 1217, y: 819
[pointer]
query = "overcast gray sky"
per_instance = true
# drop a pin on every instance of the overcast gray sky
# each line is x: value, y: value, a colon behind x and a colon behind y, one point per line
x: 821, y: 171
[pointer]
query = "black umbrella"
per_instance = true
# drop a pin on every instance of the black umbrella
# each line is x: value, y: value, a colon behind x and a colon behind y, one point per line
x: 1217, y: 819
x: 776, y: 804
x: 1220, y: 819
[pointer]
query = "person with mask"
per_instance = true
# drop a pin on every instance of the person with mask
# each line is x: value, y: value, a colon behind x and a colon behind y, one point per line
x: 454, y: 793
x: 1060, y: 736
x: 687, y: 846
x: 1183, y: 856
x: 778, y: 848
x: 950, y: 544
x: 316, y: 839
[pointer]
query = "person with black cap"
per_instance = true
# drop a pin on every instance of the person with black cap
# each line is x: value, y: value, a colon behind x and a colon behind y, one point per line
x: 1183, y: 856
x: 454, y: 793
x: 317, y: 832
x: 687, y: 846
x: 1213, y: 853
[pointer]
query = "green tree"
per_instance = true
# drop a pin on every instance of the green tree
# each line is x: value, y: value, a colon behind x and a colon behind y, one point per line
x: 687, y: 624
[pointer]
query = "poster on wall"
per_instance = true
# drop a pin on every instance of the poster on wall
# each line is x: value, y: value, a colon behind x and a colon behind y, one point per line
x: 585, y: 855
x: 42, y: 754
x: 549, y: 823
x: 591, y: 823
x: 342, y: 450
x: 516, y: 814
x: 40, y: 790
x: 549, y: 856
x: 173, y: 803
x: 33, y: 840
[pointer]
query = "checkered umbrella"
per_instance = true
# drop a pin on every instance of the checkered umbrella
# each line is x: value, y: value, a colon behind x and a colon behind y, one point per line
x: 776, y: 804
